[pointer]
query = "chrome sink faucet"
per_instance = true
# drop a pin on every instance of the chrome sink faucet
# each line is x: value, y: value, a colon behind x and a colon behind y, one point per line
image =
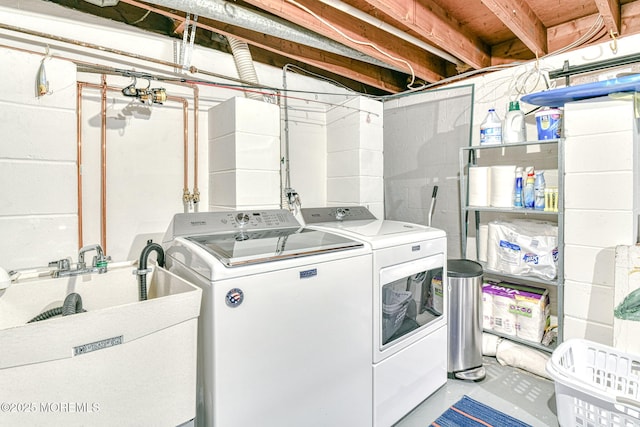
x: 99, y: 264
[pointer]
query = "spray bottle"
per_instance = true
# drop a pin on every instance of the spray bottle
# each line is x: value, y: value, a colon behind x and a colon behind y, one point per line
x: 539, y: 185
x: 528, y: 193
x: 517, y: 192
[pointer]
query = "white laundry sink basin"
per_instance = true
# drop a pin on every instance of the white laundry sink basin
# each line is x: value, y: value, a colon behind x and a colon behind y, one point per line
x: 122, y: 362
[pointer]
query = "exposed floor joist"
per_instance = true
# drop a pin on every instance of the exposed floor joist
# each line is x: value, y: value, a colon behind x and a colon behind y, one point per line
x: 384, y: 41
x: 610, y: 11
x: 518, y: 16
x: 432, y: 24
x: 357, y: 35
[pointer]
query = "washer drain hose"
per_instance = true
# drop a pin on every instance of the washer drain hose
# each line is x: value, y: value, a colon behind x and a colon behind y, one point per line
x: 72, y: 304
x: 142, y: 266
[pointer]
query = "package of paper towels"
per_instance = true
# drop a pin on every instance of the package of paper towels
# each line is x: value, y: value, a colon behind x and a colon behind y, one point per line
x: 523, y: 247
x: 517, y: 310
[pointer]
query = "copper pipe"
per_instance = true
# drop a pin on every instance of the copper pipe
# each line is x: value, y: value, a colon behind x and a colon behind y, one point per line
x: 192, y: 69
x: 196, y: 191
x: 186, y: 196
x: 103, y: 87
x: 196, y: 102
x: 79, y: 164
x: 90, y: 46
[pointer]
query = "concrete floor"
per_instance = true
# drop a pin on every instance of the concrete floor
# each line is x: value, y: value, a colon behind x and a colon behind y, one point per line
x: 515, y: 392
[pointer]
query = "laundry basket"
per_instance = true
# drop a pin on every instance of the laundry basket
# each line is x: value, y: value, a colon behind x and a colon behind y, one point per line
x: 596, y: 385
x: 394, y: 309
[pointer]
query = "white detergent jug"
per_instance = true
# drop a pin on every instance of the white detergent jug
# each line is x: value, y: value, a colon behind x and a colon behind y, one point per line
x: 514, y: 126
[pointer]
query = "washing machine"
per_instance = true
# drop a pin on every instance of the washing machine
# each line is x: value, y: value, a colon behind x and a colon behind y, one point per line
x: 284, y: 336
x: 409, y: 352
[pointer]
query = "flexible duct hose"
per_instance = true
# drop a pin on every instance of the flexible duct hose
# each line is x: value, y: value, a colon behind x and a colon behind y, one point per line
x: 142, y: 266
x: 72, y: 304
x: 244, y: 64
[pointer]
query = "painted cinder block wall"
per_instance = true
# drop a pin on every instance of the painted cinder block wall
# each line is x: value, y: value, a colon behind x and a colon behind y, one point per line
x: 355, y: 155
x: 601, y: 208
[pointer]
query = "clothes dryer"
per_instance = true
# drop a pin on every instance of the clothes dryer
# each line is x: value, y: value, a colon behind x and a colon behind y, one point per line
x: 409, y: 353
x: 285, y: 326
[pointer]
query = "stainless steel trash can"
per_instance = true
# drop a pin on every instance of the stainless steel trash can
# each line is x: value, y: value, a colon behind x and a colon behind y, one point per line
x: 464, y: 279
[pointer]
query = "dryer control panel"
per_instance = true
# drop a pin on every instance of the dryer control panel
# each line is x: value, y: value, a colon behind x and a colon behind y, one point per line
x: 346, y: 213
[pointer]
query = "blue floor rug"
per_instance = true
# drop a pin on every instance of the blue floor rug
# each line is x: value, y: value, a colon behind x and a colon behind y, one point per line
x: 467, y: 412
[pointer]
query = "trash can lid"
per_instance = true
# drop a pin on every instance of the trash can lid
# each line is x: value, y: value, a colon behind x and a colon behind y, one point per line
x: 463, y: 268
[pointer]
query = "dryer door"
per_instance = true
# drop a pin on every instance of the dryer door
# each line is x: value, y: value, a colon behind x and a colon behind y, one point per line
x: 411, y: 299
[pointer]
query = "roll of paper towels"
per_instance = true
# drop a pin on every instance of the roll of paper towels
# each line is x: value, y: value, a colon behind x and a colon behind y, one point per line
x: 501, y: 186
x: 479, y: 185
x: 483, y: 239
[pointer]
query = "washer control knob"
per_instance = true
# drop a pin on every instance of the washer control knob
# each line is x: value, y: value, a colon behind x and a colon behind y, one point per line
x: 341, y: 213
x: 242, y: 219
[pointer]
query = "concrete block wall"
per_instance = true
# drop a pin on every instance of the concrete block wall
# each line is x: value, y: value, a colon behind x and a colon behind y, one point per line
x: 600, y: 210
x: 355, y: 155
x: 244, y: 160
x: 38, y: 208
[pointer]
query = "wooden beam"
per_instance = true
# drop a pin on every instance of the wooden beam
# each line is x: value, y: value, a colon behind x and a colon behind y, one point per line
x: 356, y: 34
x: 562, y: 35
x: 522, y: 21
x: 431, y: 23
x: 610, y: 11
x: 510, y: 51
x: 378, y: 77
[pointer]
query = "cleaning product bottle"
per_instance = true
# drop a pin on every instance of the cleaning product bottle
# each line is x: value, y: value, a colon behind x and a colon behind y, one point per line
x: 514, y: 126
x: 528, y: 193
x: 517, y: 191
x: 539, y: 190
x: 491, y: 129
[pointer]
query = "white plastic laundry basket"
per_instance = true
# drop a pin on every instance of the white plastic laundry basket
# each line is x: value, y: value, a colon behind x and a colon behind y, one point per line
x: 394, y: 309
x: 596, y: 385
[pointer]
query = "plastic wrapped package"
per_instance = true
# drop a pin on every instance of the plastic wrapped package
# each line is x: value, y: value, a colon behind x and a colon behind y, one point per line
x: 523, y: 247
x: 517, y: 310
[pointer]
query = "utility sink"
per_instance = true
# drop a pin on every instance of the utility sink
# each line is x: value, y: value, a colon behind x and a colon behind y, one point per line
x: 122, y: 362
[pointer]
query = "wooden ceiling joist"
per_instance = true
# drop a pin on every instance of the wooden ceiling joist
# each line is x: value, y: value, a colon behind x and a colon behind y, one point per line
x: 358, y: 71
x: 610, y: 11
x: 432, y: 24
x: 522, y: 21
x: 359, y: 35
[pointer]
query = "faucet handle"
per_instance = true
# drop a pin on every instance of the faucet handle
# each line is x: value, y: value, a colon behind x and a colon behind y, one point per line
x: 100, y: 261
x: 61, y: 264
